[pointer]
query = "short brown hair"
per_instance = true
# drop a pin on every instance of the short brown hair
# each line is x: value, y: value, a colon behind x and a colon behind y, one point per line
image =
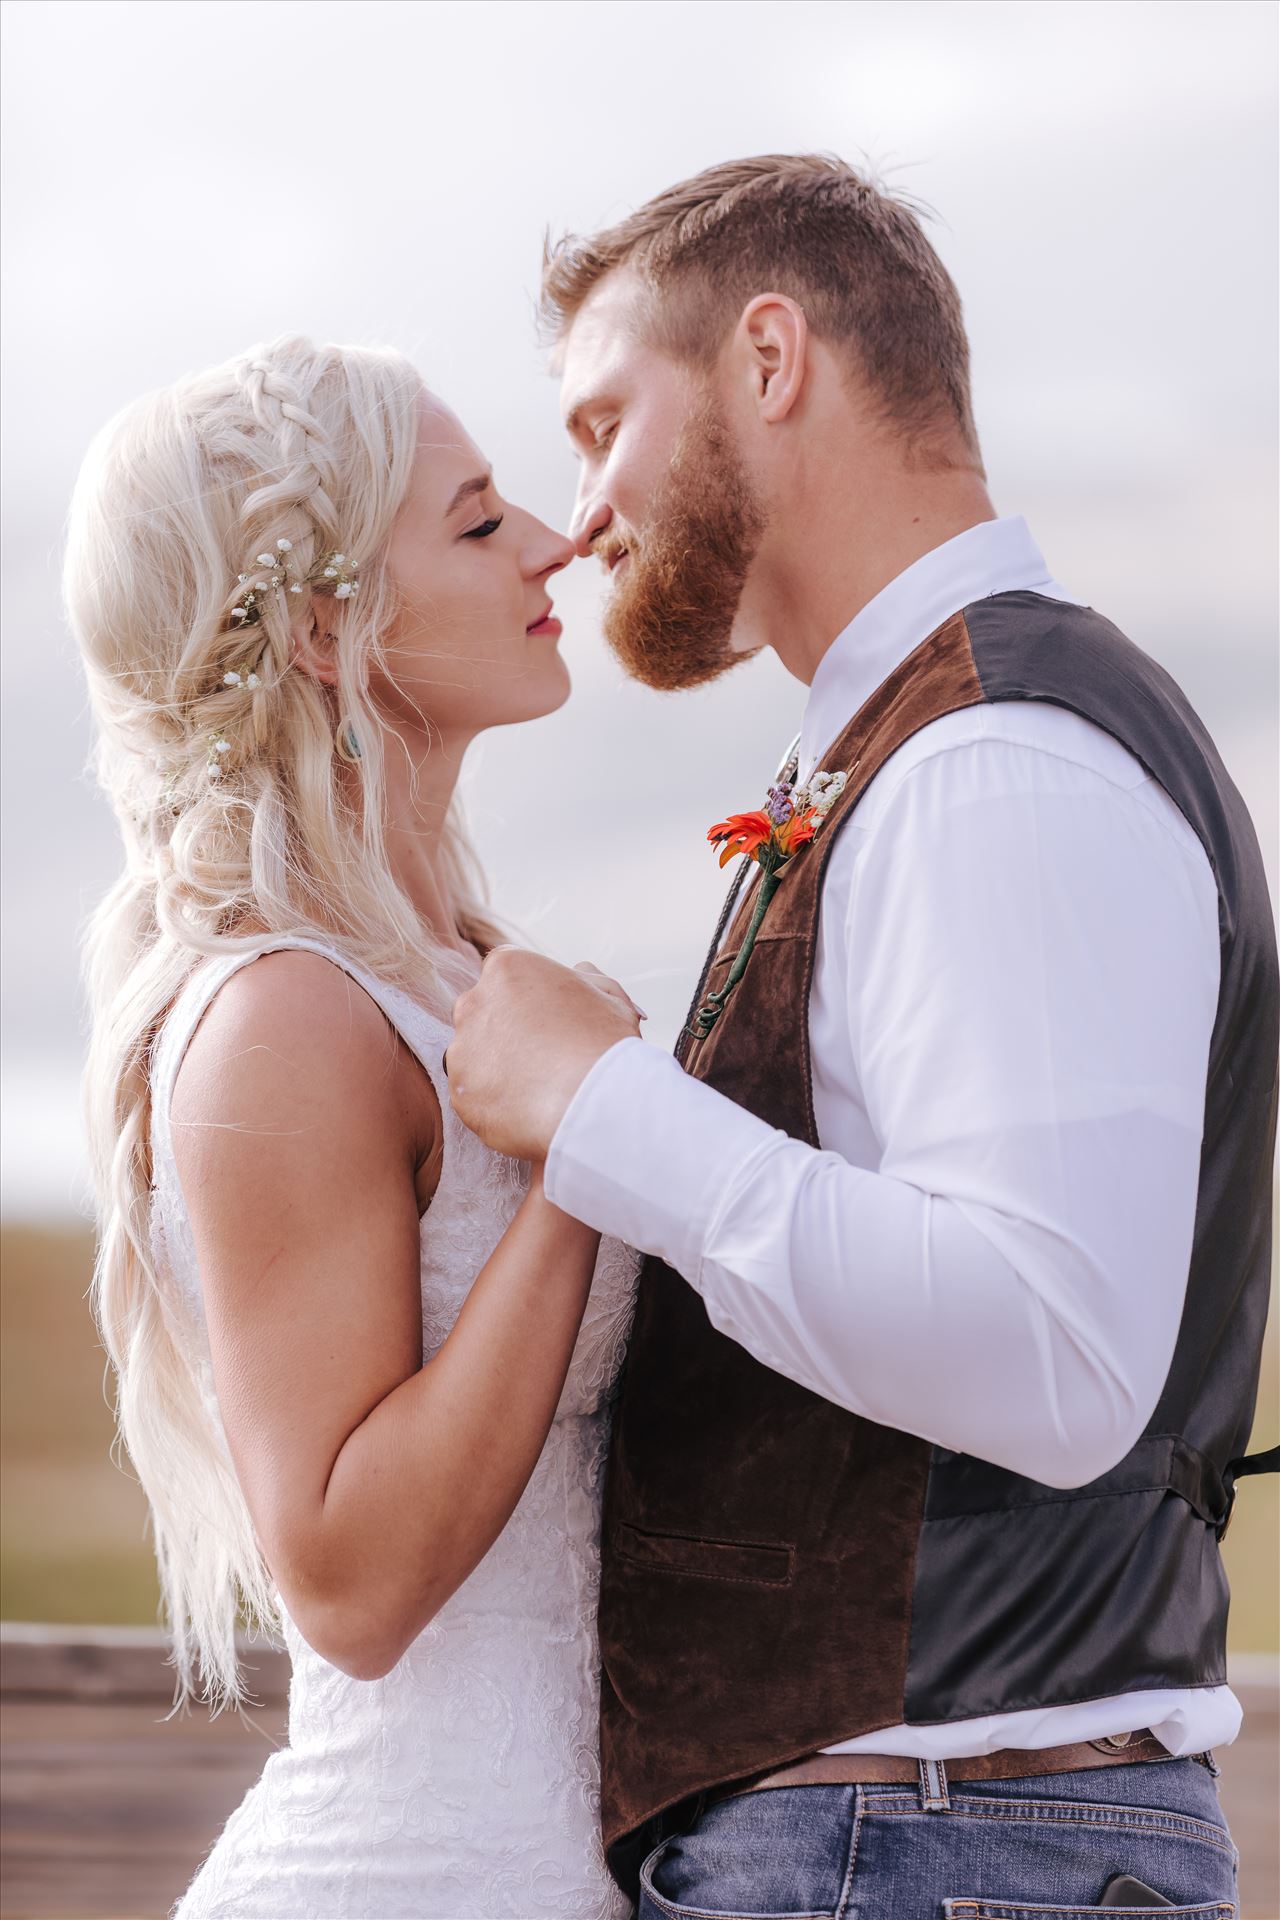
x: 807, y: 225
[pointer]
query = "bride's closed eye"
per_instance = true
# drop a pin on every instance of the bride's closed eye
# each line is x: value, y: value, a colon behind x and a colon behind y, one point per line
x: 483, y: 531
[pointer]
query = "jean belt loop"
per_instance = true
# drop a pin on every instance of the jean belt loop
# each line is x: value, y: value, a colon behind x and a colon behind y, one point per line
x: 934, y: 1797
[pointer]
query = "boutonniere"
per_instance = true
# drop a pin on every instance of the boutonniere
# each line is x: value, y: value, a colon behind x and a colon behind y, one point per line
x: 790, y: 818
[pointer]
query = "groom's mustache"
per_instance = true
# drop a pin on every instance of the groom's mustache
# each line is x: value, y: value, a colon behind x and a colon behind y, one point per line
x: 609, y: 549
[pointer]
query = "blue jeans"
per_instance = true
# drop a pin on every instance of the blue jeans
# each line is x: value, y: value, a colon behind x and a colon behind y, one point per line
x: 1034, y: 1849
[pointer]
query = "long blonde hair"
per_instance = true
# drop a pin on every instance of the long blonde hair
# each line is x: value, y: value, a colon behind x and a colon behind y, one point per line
x: 239, y: 819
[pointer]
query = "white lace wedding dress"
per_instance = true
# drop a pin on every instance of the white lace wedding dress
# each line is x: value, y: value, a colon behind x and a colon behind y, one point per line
x: 464, y: 1785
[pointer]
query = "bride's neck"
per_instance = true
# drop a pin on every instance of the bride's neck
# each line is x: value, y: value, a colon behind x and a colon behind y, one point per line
x: 420, y: 775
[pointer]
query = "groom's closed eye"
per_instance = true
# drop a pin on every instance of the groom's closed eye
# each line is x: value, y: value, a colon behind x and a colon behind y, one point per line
x: 591, y: 425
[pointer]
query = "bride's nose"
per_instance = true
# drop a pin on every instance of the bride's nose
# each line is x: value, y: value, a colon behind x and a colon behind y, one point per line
x: 546, y: 551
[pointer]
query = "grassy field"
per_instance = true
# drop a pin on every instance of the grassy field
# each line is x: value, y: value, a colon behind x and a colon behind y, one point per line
x: 73, y: 1532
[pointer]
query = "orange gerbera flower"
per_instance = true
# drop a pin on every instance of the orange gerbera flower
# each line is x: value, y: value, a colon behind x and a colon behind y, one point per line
x: 799, y: 830
x: 741, y: 833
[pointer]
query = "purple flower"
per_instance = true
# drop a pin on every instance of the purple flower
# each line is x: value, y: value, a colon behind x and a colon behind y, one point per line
x: 779, y: 806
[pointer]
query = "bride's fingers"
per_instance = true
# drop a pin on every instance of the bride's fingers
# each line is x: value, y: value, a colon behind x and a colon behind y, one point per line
x: 607, y: 984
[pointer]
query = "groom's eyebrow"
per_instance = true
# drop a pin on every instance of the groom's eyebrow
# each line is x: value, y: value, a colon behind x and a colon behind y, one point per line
x: 575, y: 421
x: 481, y: 484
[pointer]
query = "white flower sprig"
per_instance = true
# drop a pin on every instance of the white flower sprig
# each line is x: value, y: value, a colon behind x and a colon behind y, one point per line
x: 332, y: 573
x: 342, y: 572
x: 247, y: 611
x: 820, y: 793
x: 242, y: 677
x: 218, y: 746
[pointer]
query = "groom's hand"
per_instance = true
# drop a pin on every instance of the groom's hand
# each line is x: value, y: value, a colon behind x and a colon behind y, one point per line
x: 525, y: 1038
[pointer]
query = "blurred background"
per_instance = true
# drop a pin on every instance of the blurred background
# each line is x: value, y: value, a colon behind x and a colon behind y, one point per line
x: 183, y: 180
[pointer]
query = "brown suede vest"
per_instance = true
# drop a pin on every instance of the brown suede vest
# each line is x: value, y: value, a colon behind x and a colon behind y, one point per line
x: 778, y: 1573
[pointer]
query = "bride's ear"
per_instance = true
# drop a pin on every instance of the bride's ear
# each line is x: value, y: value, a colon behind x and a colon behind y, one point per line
x: 313, y: 650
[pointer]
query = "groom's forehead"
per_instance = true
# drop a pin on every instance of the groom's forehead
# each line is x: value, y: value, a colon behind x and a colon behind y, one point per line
x: 602, y: 348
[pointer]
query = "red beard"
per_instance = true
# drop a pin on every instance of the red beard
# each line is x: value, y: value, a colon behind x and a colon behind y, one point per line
x: 672, y: 610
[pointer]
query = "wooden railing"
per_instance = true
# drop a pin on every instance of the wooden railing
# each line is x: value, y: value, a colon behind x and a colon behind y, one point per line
x: 109, y: 1804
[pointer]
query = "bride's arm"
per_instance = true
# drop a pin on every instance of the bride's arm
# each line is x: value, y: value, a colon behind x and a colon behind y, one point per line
x: 302, y: 1128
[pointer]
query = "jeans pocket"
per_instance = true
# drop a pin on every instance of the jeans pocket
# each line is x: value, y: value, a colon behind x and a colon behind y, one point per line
x: 1012, y: 1910
x: 784, y: 1854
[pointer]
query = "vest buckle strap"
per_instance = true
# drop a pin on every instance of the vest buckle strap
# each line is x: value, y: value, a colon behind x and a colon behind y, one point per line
x: 1240, y: 1469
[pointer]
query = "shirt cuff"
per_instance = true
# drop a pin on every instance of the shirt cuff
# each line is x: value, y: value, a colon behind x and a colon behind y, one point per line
x: 648, y: 1155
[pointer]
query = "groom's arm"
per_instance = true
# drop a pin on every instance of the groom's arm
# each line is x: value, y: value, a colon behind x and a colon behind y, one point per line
x: 1031, y: 969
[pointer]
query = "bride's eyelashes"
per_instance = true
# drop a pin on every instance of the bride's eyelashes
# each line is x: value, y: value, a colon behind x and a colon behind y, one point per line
x: 483, y: 531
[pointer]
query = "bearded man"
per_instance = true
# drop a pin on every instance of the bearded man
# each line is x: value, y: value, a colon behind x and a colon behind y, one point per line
x: 956, y: 1196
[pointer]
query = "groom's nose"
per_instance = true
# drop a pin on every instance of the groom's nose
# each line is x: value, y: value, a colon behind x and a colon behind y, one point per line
x: 591, y: 515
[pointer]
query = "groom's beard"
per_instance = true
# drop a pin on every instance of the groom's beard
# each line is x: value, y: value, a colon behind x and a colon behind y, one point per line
x: 672, y: 610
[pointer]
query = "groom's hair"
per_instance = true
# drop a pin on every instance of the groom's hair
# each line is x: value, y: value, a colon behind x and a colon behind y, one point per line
x: 854, y: 256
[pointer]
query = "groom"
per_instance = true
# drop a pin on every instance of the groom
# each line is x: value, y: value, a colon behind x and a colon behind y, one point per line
x: 957, y: 1203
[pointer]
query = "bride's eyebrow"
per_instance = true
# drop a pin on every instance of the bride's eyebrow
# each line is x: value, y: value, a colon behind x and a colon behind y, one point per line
x: 481, y: 484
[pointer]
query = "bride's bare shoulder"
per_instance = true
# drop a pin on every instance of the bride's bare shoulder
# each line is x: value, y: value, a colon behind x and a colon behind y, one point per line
x: 288, y: 1030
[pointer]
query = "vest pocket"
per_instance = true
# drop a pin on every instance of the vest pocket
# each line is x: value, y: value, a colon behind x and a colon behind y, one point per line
x: 754, y: 1563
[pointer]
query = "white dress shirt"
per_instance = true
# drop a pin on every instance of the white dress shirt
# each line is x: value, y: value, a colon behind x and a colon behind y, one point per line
x: 1015, y: 986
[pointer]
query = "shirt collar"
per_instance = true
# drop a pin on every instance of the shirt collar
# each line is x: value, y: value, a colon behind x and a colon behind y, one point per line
x: 997, y: 556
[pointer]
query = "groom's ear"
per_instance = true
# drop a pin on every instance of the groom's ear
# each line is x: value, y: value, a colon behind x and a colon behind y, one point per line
x: 772, y: 339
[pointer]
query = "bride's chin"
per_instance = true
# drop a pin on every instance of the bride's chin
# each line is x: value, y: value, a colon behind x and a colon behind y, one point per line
x: 563, y: 689
x: 553, y: 688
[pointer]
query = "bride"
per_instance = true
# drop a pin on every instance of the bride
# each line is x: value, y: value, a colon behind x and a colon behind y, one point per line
x: 362, y: 1362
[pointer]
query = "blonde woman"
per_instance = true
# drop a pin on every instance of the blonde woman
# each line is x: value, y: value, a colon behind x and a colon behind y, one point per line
x: 362, y: 1362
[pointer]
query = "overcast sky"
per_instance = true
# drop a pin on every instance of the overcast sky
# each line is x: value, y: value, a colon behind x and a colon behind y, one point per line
x: 182, y: 180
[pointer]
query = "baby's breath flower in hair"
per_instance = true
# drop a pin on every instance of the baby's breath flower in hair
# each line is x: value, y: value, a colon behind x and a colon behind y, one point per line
x: 332, y: 573
x: 337, y: 575
x: 218, y: 746
x: 247, y: 611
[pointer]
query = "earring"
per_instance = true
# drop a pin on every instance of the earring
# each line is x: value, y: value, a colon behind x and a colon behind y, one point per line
x: 348, y: 746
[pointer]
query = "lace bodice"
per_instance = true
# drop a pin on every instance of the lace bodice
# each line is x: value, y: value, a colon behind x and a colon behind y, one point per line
x: 464, y: 1785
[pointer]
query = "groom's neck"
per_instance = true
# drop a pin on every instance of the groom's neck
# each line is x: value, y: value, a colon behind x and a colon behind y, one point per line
x: 851, y: 522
